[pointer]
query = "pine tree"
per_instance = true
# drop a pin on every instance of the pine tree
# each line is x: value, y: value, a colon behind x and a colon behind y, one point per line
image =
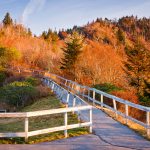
x: 138, y: 67
x: 7, y: 21
x: 29, y: 32
x: 74, y: 45
x: 121, y: 36
x: 147, y: 89
x: 44, y: 35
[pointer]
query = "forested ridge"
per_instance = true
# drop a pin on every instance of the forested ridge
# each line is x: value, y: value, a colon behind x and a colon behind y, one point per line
x: 103, y: 53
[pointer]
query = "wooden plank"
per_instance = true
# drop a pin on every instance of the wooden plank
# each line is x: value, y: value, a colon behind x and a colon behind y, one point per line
x: 65, y: 124
x: 148, y: 123
x: 102, y: 100
x: 88, y: 94
x: 61, y: 128
x: 13, y: 115
x: 93, y: 97
x: 115, y: 107
x: 11, y: 134
x: 44, y: 131
x: 68, y: 97
x: 126, y: 113
x: 90, y: 128
x: 26, y: 128
x: 74, y: 102
x: 57, y: 111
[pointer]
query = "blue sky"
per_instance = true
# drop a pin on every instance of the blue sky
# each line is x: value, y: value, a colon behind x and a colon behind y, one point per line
x: 40, y: 15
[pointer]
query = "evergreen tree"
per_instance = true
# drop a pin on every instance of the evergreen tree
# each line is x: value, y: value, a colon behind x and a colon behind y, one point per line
x: 7, y: 21
x: 138, y: 67
x: 147, y: 89
x: 29, y: 32
x: 74, y: 44
x: 44, y: 35
x: 121, y: 36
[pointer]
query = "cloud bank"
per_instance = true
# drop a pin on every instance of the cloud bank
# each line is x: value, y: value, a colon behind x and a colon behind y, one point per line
x: 31, y: 7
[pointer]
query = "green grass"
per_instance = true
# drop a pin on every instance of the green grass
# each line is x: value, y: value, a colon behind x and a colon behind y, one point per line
x: 41, y: 122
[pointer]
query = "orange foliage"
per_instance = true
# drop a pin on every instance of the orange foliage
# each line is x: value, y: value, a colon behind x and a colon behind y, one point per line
x: 127, y: 95
x: 35, y: 51
x: 101, y: 64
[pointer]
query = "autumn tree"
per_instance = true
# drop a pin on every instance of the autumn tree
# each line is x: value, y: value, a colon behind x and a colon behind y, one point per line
x: 7, y: 56
x: 138, y: 66
x: 72, y: 50
x: 7, y: 21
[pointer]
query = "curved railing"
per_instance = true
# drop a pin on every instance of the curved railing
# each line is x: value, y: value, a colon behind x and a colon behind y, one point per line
x: 91, y: 93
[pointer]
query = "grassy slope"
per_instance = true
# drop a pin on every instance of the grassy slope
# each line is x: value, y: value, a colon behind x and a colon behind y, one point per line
x: 35, y: 123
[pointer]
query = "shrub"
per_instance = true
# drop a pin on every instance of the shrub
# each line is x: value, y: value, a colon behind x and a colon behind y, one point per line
x: 145, y: 100
x: 18, y: 93
x: 33, y: 81
x: 42, y: 91
x: 107, y: 87
x: 14, y: 78
x: 2, y: 77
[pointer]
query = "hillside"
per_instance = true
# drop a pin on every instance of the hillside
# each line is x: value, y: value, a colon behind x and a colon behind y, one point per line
x: 106, y: 51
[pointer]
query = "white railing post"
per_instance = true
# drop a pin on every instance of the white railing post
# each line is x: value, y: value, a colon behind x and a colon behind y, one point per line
x: 148, y: 123
x: 90, y: 128
x: 72, y: 86
x: 80, y: 93
x: 49, y: 85
x: 115, y: 108
x: 48, y: 82
x: 62, y: 93
x: 52, y: 86
x: 74, y: 101
x: 65, y: 82
x: 58, y: 90
x: 68, y: 97
x: 88, y: 94
x: 68, y: 85
x: 65, y: 122
x: 102, y: 101
x: 93, y: 97
x: 26, y: 125
x: 79, y: 113
x: 126, y: 112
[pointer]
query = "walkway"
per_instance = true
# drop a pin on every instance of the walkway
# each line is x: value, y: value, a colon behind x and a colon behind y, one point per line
x: 108, y: 135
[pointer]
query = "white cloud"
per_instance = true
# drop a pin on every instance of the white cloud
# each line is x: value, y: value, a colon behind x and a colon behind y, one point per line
x: 31, y: 7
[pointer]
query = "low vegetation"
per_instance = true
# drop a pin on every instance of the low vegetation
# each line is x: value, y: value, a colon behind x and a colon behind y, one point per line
x: 107, y: 87
x: 35, y: 123
x: 20, y: 91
